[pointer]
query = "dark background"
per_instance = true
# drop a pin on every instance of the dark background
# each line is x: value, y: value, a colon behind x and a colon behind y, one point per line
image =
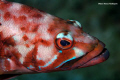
x: 101, y: 21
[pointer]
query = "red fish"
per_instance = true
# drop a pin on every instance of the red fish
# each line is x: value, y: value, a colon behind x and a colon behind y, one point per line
x: 32, y: 41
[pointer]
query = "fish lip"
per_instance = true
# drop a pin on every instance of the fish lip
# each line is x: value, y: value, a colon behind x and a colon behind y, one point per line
x: 101, y: 57
x: 105, y: 54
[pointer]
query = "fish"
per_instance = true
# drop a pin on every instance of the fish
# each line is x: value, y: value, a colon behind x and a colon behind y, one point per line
x: 33, y: 41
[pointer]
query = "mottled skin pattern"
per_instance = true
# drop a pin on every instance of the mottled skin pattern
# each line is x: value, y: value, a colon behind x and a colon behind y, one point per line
x: 28, y: 42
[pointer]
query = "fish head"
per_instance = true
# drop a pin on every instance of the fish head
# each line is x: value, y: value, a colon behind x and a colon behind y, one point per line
x: 72, y: 48
x: 78, y: 49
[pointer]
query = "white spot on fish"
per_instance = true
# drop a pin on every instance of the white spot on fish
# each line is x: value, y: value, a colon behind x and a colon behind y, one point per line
x: 62, y: 35
x: 15, y: 7
x: 45, y: 22
x: 45, y: 53
x: 78, y: 52
x: 77, y: 23
x: 23, y: 50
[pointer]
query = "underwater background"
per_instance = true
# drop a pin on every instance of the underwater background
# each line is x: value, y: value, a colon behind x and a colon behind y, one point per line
x: 101, y: 21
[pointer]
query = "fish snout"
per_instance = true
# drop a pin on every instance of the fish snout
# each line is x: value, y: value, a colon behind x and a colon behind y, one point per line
x: 98, y: 55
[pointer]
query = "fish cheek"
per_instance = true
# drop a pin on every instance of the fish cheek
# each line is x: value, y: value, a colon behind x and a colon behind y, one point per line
x: 63, y: 57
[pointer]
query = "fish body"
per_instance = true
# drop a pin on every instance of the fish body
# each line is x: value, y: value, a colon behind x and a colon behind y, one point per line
x: 32, y: 41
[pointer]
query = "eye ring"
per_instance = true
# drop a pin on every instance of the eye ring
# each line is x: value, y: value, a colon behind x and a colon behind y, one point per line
x: 64, y: 41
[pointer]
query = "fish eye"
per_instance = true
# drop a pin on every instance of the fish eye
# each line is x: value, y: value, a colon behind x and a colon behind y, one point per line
x: 75, y: 23
x: 64, y: 41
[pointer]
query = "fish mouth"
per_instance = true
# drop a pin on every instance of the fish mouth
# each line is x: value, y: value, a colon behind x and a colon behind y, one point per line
x: 101, y: 57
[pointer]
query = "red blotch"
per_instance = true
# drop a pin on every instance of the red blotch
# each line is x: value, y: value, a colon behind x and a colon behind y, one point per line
x: 2, y: 47
x: 36, y: 15
x: 35, y: 28
x: 25, y: 37
x: 37, y: 62
x: 10, y: 53
x: 1, y: 36
x: 5, y: 5
x: 6, y: 41
x: 6, y: 47
x: 16, y: 54
x: 7, y: 16
x: 5, y: 52
x: 9, y: 41
x: 58, y: 25
x: 27, y: 45
x: 26, y: 9
x: 40, y: 63
x: 52, y: 28
x: 23, y: 28
x: 45, y: 42
x: 29, y: 59
x: 22, y: 18
x: 2, y: 52
x: 7, y: 65
x: 30, y: 11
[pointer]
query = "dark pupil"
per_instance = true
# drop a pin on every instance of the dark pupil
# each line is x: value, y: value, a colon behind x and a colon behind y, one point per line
x: 64, y: 43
